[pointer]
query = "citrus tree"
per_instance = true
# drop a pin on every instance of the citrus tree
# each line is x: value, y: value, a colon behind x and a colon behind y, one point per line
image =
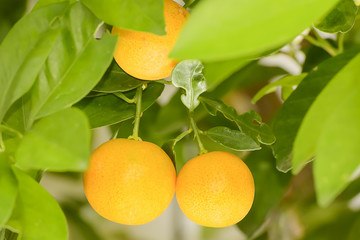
x: 67, y: 67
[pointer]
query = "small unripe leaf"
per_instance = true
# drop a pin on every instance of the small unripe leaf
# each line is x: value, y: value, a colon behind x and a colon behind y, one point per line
x: 188, y: 75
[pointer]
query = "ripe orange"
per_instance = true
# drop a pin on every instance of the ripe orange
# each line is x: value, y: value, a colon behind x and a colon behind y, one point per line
x: 215, y: 189
x: 145, y: 55
x: 129, y: 182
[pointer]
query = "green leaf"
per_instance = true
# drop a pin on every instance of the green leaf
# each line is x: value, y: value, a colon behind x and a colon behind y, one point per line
x: 59, y: 142
x: 311, y: 127
x: 109, y: 109
x: 287, y: 81
x: 188, y: 75
x: 116, y: 80
x: 338, y: 149
x: 233, y: 139
x: 139, y: 15
x: 8, y: 189
x: 216, y: 72
x: 270, y: 186
x: 248, y: 123
x: 75, y: 65
x: 37, y: 214
x: 24, y: 51
x: 340, y: 19
x: 221, y: 30
x: 292, y: 112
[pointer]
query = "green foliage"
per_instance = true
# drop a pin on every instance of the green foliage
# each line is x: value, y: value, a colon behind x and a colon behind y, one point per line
x: 238, y: 28
x: 339, y: 87
x: 67, y: 82
x: 20, y: 62
x: 52, y: 78
x: 42, y: 72
x: 340, y: 19
x: 322, y: 138
x: 139, y: 15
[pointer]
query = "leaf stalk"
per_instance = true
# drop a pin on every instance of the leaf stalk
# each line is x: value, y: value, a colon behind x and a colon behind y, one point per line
x: 123, y: 97
x: 194, y: 127
x: 138, y: 113
x: 182, y: 135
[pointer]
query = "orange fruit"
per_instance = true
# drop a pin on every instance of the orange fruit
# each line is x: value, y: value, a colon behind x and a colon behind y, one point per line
x: 215, y: 189
x: 145, y: 55
x: 129, y: 182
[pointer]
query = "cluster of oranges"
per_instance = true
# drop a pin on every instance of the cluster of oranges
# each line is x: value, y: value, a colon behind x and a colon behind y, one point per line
x: 132, y: 182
